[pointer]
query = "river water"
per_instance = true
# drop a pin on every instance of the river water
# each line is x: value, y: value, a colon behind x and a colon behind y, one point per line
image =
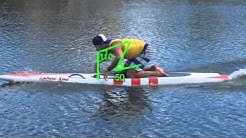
x: 55, y: 36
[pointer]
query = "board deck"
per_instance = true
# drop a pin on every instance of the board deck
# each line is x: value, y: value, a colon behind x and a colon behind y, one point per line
x: 90, y: 78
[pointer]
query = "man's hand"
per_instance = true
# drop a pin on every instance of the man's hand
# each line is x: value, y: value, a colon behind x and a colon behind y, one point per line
x: 106, y: 75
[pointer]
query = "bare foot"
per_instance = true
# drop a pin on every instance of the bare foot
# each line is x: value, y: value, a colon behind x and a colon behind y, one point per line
x: 162, y: 72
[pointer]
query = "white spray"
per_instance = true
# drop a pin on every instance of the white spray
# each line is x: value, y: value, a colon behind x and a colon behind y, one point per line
x: 238, y: 74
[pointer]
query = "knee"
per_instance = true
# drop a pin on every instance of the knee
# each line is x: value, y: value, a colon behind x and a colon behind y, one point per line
x: 131, y: 74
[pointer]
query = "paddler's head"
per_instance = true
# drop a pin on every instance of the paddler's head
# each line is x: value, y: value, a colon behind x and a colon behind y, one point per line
x: 100, y: 42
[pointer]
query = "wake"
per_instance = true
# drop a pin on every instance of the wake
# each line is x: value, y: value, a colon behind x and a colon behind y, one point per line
x: 238, y: 74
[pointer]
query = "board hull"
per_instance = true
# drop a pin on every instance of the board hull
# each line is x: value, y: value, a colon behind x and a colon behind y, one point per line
x: 175, y: 78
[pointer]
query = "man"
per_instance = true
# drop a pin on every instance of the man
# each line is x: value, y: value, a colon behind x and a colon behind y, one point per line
x: 138, y: 53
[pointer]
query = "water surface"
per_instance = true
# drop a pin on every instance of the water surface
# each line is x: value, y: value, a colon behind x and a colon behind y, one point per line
x: 55, y: 36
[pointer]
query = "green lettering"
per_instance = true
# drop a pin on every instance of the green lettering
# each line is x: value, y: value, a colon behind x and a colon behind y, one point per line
x: 119, y: 77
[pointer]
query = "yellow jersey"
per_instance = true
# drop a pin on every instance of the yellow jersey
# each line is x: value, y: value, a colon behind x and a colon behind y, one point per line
x: 135, y: 48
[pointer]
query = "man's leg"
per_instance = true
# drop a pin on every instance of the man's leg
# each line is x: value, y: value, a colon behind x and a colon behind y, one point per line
x: 155, y: 68
x: 143, y: 71
x: 131, y: 73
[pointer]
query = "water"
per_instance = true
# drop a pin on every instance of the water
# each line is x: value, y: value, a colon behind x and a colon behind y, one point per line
x: 55, y: 36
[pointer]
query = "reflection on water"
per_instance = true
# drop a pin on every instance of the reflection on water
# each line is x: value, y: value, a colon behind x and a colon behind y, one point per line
x: 125, y: 102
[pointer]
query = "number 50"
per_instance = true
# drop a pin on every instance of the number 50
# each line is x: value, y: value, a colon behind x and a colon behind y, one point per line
x: 119, y: 77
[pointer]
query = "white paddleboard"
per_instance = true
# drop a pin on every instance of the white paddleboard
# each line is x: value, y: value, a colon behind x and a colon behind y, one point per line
x: 175, y: 78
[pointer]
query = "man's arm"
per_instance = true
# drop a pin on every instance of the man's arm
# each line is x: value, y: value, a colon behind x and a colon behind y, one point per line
x: 117, y: 52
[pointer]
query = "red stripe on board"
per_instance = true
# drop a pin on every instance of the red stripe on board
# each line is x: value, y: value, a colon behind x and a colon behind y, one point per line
x: 222, y: 76
x: 153, y: 81
x: 118, y: 83
x: 26, y: 74
x: 136, y: 81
